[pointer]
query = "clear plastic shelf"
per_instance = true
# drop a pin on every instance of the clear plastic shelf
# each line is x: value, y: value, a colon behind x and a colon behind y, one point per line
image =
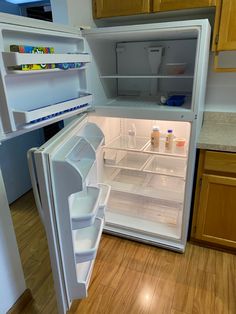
x: 164, y: 165
x: 129, y: 160
x: 122, y: 142
x: 86, y: 241
x: 84, y: 206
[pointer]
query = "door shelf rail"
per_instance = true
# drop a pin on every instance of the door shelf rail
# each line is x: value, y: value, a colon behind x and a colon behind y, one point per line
x: 44, y: 113
x: 15, y: 58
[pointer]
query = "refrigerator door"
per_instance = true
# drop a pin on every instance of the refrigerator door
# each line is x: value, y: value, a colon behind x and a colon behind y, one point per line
x: 65, y: 179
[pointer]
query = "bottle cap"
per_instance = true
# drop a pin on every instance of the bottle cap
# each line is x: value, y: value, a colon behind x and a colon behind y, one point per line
x: 155, y: 128
x: 169, y: 131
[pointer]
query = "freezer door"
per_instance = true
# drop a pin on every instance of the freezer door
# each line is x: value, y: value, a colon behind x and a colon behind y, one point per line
x: 70, y: 202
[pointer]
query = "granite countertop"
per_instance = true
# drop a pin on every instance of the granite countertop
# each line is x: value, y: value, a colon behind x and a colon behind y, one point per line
x: 218, y: 132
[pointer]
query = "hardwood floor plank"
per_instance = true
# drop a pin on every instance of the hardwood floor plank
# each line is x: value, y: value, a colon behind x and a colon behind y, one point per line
x: 129, y: 277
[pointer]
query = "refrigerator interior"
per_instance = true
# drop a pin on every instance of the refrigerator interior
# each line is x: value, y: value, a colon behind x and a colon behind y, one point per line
x: 133, y: 69
x: 147, y: 184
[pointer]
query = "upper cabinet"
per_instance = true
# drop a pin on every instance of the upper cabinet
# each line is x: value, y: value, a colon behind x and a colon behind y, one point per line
x: 226, y: 35
x: 168, y: 5
x: 109, y: 8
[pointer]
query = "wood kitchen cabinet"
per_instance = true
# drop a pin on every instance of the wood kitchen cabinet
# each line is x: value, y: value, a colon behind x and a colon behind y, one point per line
x: 109, y: 8
x: 168, y: 5
x: 214, y: 219
x: 225, y: 34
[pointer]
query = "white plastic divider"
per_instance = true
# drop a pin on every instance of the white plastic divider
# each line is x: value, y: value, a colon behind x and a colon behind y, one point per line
x: 86, y: 241
x: 84, y: 206
x: 16, y: 58
x: 23, y: 117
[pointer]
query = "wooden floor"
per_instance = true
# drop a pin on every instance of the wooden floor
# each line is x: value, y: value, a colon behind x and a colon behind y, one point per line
x: 130, y: 277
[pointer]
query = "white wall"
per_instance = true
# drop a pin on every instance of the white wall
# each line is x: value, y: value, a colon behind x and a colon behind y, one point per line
x: 221, y: 90
x: 73, y: 12
x: 11, y: 274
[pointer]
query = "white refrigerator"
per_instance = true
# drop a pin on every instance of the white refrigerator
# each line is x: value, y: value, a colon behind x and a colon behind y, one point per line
x: 101, y: 172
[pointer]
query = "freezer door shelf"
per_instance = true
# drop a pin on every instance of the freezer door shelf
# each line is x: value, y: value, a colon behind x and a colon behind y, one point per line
x: 51, y: 111
x: 16, y: 58
x: 86, y: 241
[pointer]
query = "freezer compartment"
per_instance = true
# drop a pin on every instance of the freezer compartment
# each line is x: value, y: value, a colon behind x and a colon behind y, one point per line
x: 170, y: 166
x: 84, y: 206
x: 146, y: 215
x: 138, y: 71
x: 86, y: 241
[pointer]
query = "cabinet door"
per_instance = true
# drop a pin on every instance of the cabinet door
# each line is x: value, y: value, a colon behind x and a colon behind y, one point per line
x: 108, y: 8
x: 167, y: 5
x: 216, y: 221
x: 227, y: 32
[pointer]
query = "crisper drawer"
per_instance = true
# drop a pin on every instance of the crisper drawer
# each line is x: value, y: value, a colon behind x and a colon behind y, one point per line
x: 219, y: 161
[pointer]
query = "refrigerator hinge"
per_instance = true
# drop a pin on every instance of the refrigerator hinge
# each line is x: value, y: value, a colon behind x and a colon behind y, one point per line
x: 195, y: 117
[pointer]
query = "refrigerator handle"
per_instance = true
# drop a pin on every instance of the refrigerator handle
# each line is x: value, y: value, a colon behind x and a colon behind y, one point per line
x: 35, y: 185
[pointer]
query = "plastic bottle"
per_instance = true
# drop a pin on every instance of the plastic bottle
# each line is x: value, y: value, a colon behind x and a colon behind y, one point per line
x: 169, y: 140
x: 132, y: 137
x: 155, y: 136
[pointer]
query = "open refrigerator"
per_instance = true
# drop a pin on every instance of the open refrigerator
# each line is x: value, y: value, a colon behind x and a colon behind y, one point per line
x: 93, y: 176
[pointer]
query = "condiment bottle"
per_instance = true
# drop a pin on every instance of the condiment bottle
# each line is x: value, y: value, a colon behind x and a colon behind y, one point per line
x: 169, y: 140
x: 155, y: 136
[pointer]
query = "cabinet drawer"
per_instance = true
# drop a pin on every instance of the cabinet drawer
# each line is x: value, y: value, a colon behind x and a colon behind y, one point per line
x: 216, y: 161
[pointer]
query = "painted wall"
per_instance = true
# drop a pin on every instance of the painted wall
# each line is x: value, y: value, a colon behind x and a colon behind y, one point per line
x: 13, y: 161
x: 221, y: 90
x: 11, y: 273
x: 6, y: 7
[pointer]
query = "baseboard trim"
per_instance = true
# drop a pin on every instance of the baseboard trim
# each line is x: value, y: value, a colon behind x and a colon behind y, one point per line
x: 21, y: 303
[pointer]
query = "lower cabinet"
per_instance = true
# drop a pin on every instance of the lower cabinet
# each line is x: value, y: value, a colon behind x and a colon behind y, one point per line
x: 214, y: 219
